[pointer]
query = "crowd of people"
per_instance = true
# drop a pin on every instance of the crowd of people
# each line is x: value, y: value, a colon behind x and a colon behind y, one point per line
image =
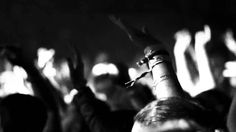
x: 196, y: 97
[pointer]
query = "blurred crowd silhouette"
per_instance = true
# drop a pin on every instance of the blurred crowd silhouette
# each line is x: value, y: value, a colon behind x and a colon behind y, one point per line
x: 190, y: 88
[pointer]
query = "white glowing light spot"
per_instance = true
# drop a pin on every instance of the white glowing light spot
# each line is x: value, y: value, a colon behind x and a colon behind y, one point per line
x: 49, y: 70
x: 45, y: 61
x: 133, y: 73
x: 69, y: 97
x: 103, y: 68
x: 229, y: 73
x: 44, y: 55
x: 230, y: 41
x: 202, y: 37
x: 230, y: 70
x: 112, y: 69
x: 230, y: 64
x: 13, y: 82
x: 99, y: 69
x: 20, y: 72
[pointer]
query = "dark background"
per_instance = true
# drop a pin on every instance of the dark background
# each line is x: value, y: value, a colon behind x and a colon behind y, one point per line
x: 54, y: 24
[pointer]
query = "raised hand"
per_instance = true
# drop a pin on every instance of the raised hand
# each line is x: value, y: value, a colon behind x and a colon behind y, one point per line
x: 206, y: 78
x: 230, y: 42
x: 230, y: 70
x: 182, y: 45
x: 140, y: 37
x: 76, y: 67
x: 202, y: 37
x: 183, y: 40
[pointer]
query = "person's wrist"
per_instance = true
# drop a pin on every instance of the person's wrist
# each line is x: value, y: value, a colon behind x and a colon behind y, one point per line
x: 178, y: 50
x: 200, y: 45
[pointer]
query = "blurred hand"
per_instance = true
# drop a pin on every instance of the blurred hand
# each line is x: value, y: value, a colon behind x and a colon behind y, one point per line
x: 202, y: 37
x: 76, y: 67
x: 183, y: 40
x: 230, y: 42
x: 230, y: 70
x: 140, y: 37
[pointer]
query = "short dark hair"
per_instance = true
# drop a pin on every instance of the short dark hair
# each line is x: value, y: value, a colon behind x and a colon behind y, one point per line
x: 174, y: 108
x: 22, y: 113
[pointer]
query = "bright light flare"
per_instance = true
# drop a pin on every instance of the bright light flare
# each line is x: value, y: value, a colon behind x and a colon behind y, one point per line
x: 105, y: 68
x: 133, y: 73
x: 20, y: 72
x: 183, y: 37
x: 45, y: 61
x: 44, y: 56
x: 49, y: 70
x: 230, y: 41
x: 202, y: 37
x: 69, y: 97
x: 14, y: 82
x: 230, y: 70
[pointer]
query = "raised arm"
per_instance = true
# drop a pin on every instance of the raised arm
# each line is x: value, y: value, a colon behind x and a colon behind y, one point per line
x: 140, y: 38
x: 183, y: 41
x: 230, y: 41
x: 95, y: 113
x: 230, y: 72
x: 206, y: 78
x: 158, y: 59
x: 164, y: 77
x: 41, y: 86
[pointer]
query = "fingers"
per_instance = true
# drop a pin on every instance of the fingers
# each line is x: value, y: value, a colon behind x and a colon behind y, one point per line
x: 202, y: 37
x: 230, y: 42
x: 118, y: 22
x: 183, y: 40
x: 76, y: 64
x: 140, y: 37
x: 230, y: 70
x: 207, y: 31
x: 115, y: 20
x: 134, y: 34
x: 183, y: 35
x: 75, y: 54
x: 182, y: 32
x: 78, y: 58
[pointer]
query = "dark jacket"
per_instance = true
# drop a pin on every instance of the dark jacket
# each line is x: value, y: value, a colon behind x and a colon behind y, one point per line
x: 97, y: 115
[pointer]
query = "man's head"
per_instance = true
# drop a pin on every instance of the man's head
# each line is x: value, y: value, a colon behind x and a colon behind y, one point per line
x: 172, y: 114
x: 109, y: 75
x: 22, y: 113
